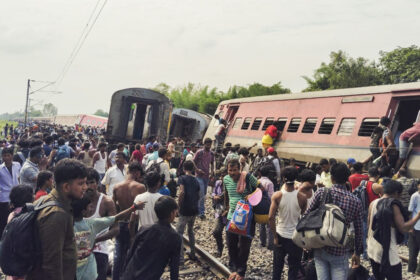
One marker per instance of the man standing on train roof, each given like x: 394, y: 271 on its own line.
x: 204, y: 161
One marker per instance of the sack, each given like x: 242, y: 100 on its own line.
x: 324, y: 226
x: 20, y: 248
x: 241, y: 221
x: 62, y: 153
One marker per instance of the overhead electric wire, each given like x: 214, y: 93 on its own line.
x: 85, y: 33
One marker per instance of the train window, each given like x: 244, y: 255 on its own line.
x: 246, y: 123
x: 327, y: 126
x: 346, y: 126
x: 237, y: 123
x: 309, y: 125
x: 282, y: 123
x: 294, y: 125
x: 267, y: 123
x: 367, y: 126
x: 256, y: 124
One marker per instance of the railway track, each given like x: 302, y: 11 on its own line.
x: 205, y: 264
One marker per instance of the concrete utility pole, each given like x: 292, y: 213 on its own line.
x: 27, y: 102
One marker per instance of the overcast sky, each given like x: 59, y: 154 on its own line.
x: 220, y: 43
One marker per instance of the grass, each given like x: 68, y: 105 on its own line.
x: 3, y: 124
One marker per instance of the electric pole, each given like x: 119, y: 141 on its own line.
x: 27, y: 102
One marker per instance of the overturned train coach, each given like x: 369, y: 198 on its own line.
x: 332, y: 123
x: 137, y: 113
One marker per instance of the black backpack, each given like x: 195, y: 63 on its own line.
x: 155, y: 167
x: 20, y: 248
x: 266, y: 162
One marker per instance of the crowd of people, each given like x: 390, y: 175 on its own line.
x: 113, y: 205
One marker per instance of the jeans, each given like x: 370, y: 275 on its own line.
x: 102, y: 265
x: 263, y: 236
x: 413, y: 251
x: 204, y: 182
x: 180, y: 228
x: 329, y: 267
x: 238, y: 247
x: 218, y: 233
x: 365, y: 230
x: 404, y: 149
x: 393, y: 272
x: 122, y: 245
x: 286, y: 248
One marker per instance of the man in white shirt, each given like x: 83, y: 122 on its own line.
x: 147, y: 216
x: 115, y: 174
x: 163, y: 165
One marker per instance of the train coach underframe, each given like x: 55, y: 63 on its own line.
x: 137, y: 114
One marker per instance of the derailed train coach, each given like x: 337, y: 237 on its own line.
x: 137, y: 114
x: 188, y: 124
x: 331, y: 123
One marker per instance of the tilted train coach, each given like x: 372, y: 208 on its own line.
x: 137, y: 113
x: 324, y: 124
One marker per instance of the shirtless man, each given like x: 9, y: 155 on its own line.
x: 124, y: 194
x: 101, y: 206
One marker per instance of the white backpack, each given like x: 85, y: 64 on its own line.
x: 324, y: 226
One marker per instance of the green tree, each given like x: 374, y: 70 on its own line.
x: 401, y: 65
x: 101, y: 113
x: 204, y: 99
x: 49, y: 110
x: 32, y: 112
x: 344, y: 72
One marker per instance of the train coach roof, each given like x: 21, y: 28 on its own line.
x: 141, y: 93
x: 191, y: 114
x: 330, y: 93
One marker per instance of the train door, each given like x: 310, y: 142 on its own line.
x: 139, y: 121
x: 231, y: 112
x: 407, y: 112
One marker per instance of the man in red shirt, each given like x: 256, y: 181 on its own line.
x: 137, y: 155
x: 357, y: 177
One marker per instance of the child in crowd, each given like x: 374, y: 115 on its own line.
x: 155, y: 245
x: 189, y: 195
x: 19, y: 196
x: 85, y: 231
x: 44, y: 183
x: 218, y: 206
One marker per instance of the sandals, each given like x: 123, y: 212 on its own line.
x: 235, y: 276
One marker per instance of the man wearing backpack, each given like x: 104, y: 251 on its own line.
x: 272, y: 164
x: 63, y: 151
x: 332, y: 262
x: 55, y: 224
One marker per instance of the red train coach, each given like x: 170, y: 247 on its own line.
x: 324, y: 124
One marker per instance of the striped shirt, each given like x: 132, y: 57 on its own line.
x: 234, y: 197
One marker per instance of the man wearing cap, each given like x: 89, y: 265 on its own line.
x: 350, y: 163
